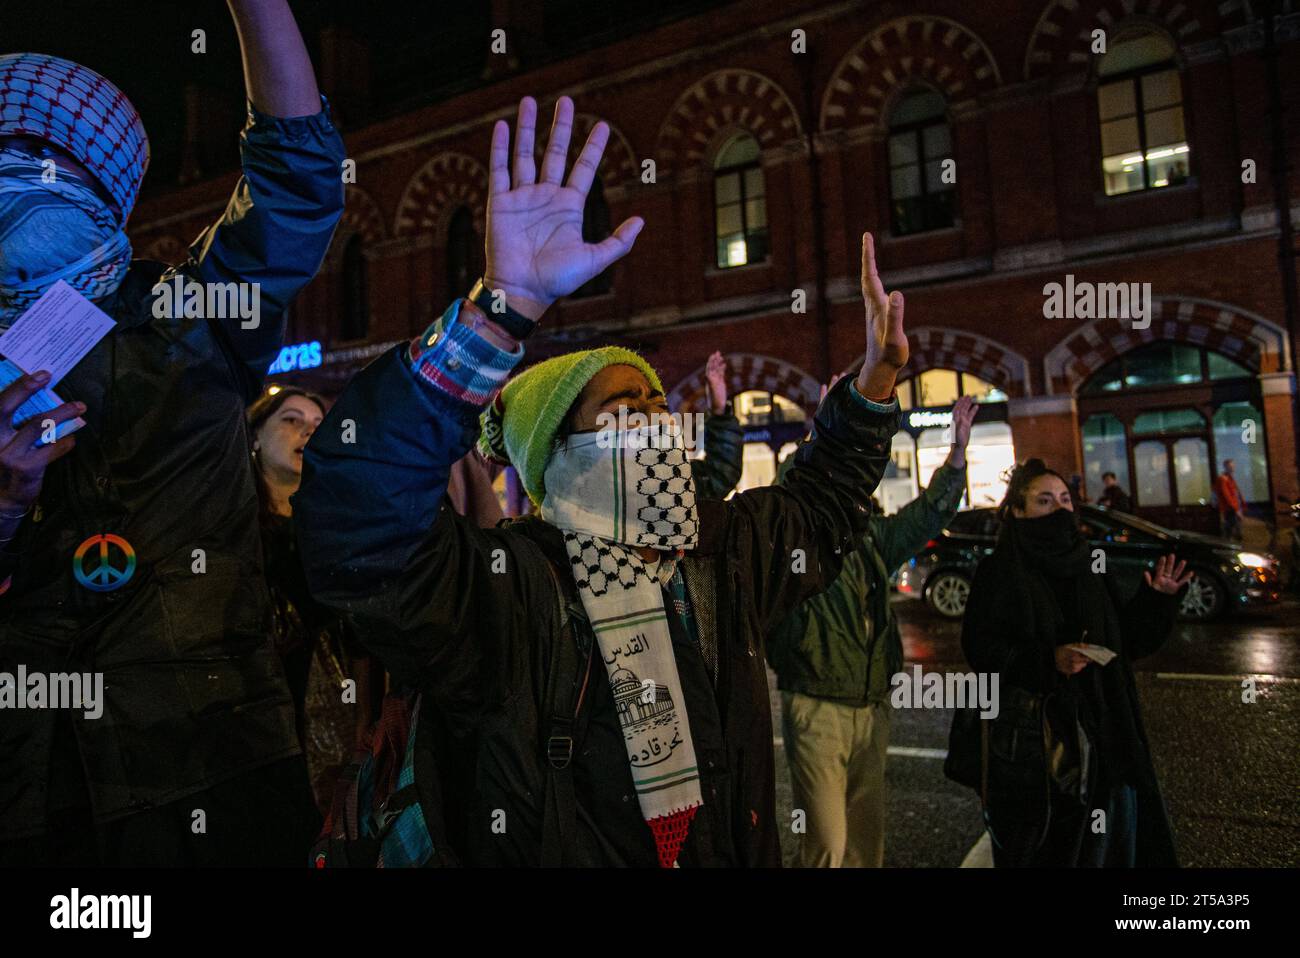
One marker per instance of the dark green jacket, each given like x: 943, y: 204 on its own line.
x: 724, y: 450
x: 826, y: 648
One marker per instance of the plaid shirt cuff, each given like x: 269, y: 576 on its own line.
x: 458, y: 362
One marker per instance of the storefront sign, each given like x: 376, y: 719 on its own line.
x: 924, y: 419
x: 298, y: 356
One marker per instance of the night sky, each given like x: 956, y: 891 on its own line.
x: 422, y: 51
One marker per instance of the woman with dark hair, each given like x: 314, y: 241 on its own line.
x: 1070, y: 778
x: 279, y: 425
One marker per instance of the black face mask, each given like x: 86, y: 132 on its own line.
x: 1053, y: 541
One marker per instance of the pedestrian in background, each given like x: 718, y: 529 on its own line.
x: 1227, y: 496
x: 834, y: 658
x: 1113, y: 495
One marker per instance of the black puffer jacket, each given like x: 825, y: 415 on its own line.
x: 419, y: 583
x: 194, y: 693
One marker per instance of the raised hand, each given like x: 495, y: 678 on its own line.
x: 1169, y: 578
x: 716, y: 373
x: 886, y: 342
x: 963, y: 415
x: 535, y: 250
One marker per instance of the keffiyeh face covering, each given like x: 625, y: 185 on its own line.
x: 54, y: 228
x: 610, y: 492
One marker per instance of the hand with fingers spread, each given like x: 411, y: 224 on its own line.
x: 22, y: 460
x: 886, y: 342
x: 535, y: 249
x: 1169, y: 577
x: 716, y: 373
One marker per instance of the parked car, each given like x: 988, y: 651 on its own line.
x: 1227, y: 576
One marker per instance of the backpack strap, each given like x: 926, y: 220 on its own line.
x: 563, y: 702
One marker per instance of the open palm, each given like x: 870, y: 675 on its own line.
x: 535, y: 249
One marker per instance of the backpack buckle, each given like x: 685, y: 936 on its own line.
x: 559, y: 750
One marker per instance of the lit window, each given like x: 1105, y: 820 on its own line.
x: 739, y: 204
x: 920, y: 139
x: 1140, y: 106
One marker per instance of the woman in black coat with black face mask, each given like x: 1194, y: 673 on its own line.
x: 1036, y: 601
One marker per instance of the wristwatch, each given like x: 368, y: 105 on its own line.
x: 497, y: 309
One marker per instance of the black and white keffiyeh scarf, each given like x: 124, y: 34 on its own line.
x: 610, y: 492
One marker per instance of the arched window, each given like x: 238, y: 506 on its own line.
x: 920, y: 139
x: 739, y: 203
x: 771, y: 423
x: 941, y: 387
x: 1140, y: 107
x: 596, y: 227
x: 356, y: 292
x: 464, y: 253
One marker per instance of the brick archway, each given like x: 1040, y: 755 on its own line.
x: 361, y: 216
x: 440, y: 187
x: 1062, y: 37
x: 938, y: 347
x: 939, y: 51
x: 1247, y: 338
x: 747, y: 371
x: 735, y: 99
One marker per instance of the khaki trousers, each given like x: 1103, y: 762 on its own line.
x: 837, y: 768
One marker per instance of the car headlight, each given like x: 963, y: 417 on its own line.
x: 1253, y: 560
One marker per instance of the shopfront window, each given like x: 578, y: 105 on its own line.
x: 779, y: 421
x: 1165, y: 416
x: 1105, y: 449
x: 1192, y: 471
x: 941, y: 387
x: 1140, y: 108
x: 1239, y: 436
x: 1151, y: 460
x: 989, y: 459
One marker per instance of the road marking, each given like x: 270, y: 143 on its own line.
x: 906, y: 751
x: 1235, y: 679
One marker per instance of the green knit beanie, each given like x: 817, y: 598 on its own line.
x: 519, y: 426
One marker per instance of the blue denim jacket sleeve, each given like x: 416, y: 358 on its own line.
x: 276, y: 228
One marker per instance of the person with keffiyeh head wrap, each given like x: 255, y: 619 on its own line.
x: 600, y: 664
x: 196, y: 711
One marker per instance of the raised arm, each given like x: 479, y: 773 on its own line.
x: 718, y: 472
x: 378, y: 537
x: 899, y: 537
x: 795, y: 535
x: 279, y: 222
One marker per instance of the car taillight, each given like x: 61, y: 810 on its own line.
x: 932, y: 544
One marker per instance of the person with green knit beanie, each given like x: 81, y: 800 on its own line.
x: 602, y: 660
x: 520, y: 426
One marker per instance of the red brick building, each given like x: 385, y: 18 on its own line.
x: 993, y: 149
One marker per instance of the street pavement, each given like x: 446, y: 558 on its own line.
x: 1230, y: 771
